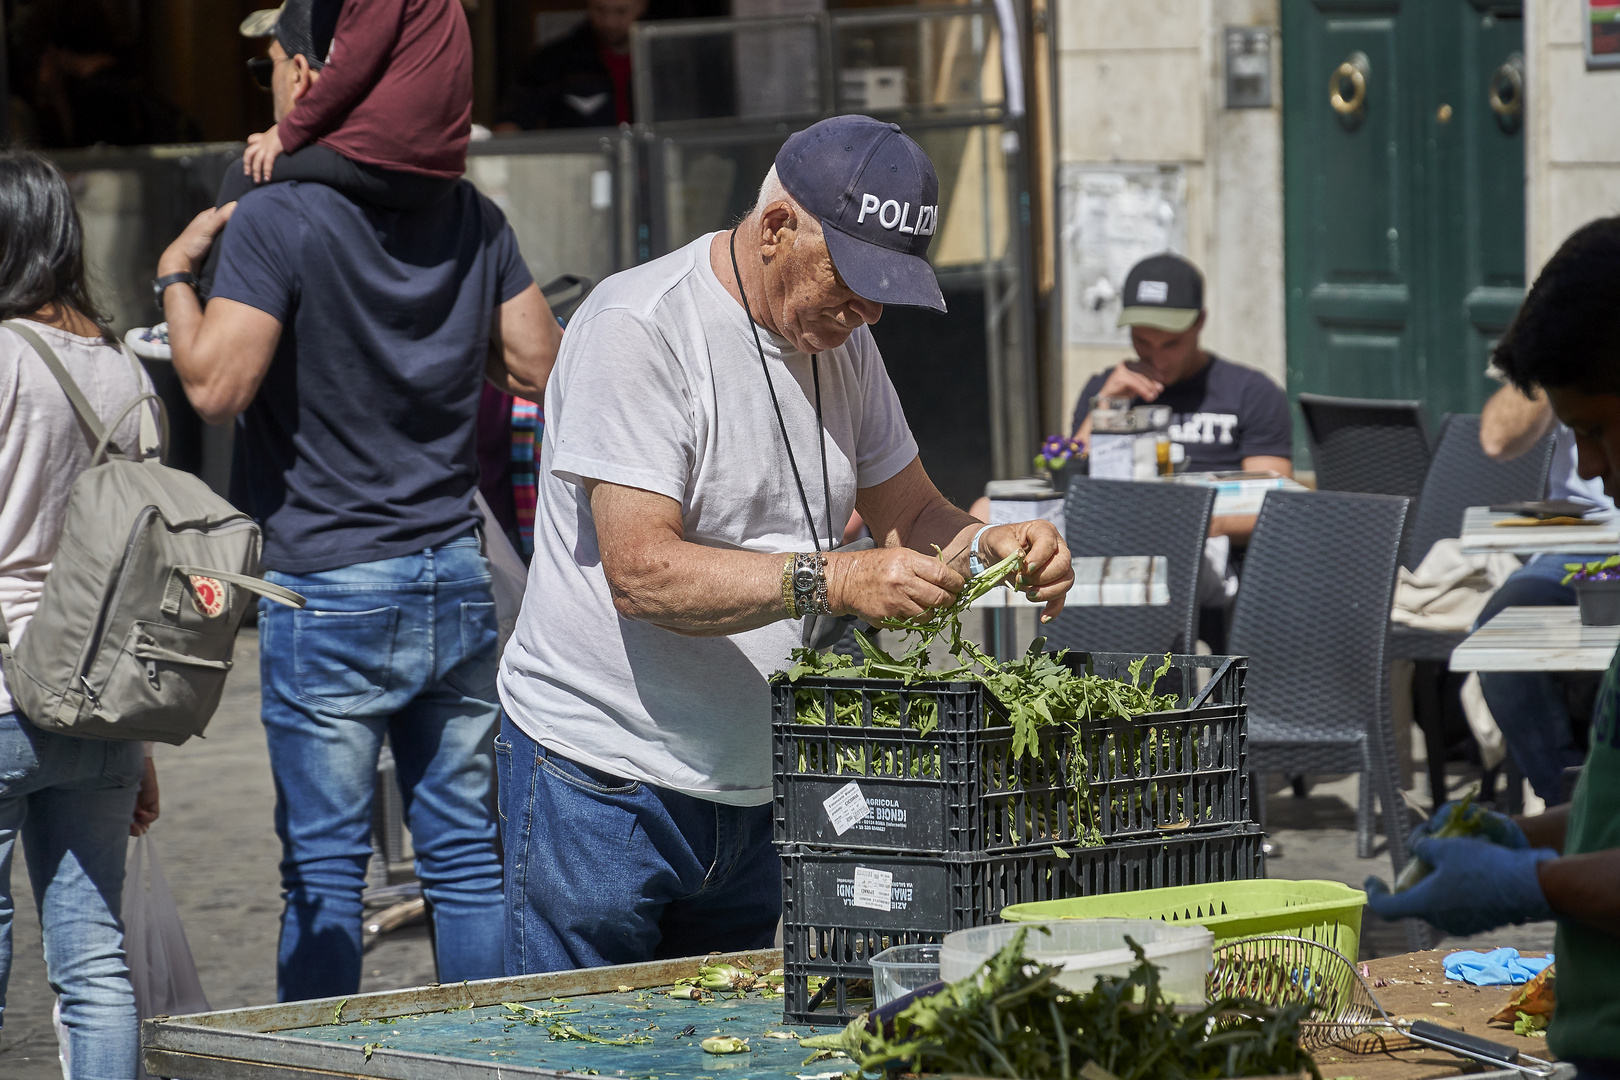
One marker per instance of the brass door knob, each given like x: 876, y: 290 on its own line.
x: 1507, y: 88
x: 1354, y: 72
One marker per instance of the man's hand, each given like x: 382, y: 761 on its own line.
x: 260, y: 157
x: 1048, y: 568
x: 1129, y: 380
x: 189, y: 249
x: 146, y: 801
x: 1475, y: 886
x: 888, y: 583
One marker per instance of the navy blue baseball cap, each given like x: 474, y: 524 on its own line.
x: 877, y: 198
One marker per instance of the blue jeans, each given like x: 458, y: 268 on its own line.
x: 1530, y: 707
x: 72, y: 801
x: 404, y: 648
x: 603, y: 870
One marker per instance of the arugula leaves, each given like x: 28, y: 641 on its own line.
x: 1011, y: 1019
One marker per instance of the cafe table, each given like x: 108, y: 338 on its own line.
x: 1537, y: 639
x: 1482, y: 536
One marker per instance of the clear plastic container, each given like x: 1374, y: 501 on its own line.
x: 900, y: 969
x: 1087, y: 948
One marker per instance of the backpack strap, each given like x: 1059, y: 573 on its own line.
x: 264, y: 588
x: 81, y: 404
x: 154, y: 443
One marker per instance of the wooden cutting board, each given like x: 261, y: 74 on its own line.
x: 1416, y: 988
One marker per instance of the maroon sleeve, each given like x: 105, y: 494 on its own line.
x: 367, y: 32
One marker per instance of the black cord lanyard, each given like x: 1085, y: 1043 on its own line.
x: 815, y: 376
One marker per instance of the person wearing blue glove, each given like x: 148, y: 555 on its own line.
x: 1563, y: 864
x: 1475, y: 885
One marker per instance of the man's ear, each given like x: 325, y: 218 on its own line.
x: 304, y: 76
x: 775, y: 220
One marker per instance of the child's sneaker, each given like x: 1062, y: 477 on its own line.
x: 149, y: 342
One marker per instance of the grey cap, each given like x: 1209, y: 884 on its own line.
x: 304, y: 28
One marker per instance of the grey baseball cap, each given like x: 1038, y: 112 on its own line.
x: 304, y: 28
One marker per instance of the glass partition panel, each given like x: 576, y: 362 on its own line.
x: 710, y: 69
x: 562, y: 201
x: 709, y: 181
x: 918, y: 61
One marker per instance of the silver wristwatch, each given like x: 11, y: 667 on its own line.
x: 810, y: 583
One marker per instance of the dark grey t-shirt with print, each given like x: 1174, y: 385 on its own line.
x: 1223, y: 414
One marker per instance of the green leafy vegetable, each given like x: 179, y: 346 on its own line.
x: 1011, y: 1019
x: 1464, y: 819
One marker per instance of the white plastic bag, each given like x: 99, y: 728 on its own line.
x: 160, y: 964
x: 510, y: 576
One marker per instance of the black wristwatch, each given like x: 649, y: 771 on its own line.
x: 184, y: 277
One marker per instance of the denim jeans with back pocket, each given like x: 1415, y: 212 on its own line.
x: 71, y: 800
x: 604, y: 870
x: 404, y: 648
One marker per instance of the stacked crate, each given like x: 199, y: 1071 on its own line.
x: 889, y: 836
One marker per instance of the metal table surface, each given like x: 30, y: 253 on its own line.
x: 1480, y: 536
x: 466, y: 1030
x: 1537, y: 639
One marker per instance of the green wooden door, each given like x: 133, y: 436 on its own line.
x: 1404, y: 195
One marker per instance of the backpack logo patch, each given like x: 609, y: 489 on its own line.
x: 207, y: 596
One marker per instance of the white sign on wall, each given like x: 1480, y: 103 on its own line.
x: 1114, y: 217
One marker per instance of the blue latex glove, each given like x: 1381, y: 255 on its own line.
x: 1497, y: 828
x: 1476, y: 886
x: 1499, y: 967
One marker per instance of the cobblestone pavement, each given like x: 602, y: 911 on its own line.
x: 219, y: 852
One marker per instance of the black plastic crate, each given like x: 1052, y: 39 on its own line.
x: 959, y: 790
x: 826, y: 935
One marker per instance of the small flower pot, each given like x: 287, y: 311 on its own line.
x: 1599, y: 602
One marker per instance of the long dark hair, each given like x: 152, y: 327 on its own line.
x: 41, y: 242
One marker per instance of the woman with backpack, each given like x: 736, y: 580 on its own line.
x: 73, y: 802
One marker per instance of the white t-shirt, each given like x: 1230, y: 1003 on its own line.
x: 658, y: 386
x: 1564, y: 482
x: 43, y: 449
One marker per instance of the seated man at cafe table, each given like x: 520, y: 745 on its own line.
x: 714, y: 417
x: 1534, y: 708
x: 1225, y: 416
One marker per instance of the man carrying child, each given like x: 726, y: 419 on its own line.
x: 353, y: 338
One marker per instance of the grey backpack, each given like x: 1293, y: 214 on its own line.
x: 134, y: 633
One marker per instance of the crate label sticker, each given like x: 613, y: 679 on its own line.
x: 846, y: 807
x: 873, y: 889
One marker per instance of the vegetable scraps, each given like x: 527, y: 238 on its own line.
x: 1011, y: 1019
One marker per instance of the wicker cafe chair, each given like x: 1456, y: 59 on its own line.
x: 1370, y: 446
x: 1312, y: 617
x: 1459, y: 477
x: 1123, y: 517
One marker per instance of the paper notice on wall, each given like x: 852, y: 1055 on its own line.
x: 1112, y: 219
x: 873, y: 889
x: 846, y: 807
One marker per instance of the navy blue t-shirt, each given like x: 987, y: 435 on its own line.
x: 1223, y: 414
x: 360, y: 443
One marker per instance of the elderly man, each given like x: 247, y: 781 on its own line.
x: 354, y: 340
x: 714, y: 417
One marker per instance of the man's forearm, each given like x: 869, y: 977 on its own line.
x: 1546, y: 830
x: 1584, y: 888
x: 700, y: 591
x: 1511, y: 423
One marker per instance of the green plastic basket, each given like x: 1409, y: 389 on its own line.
x: 1323, y: 911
